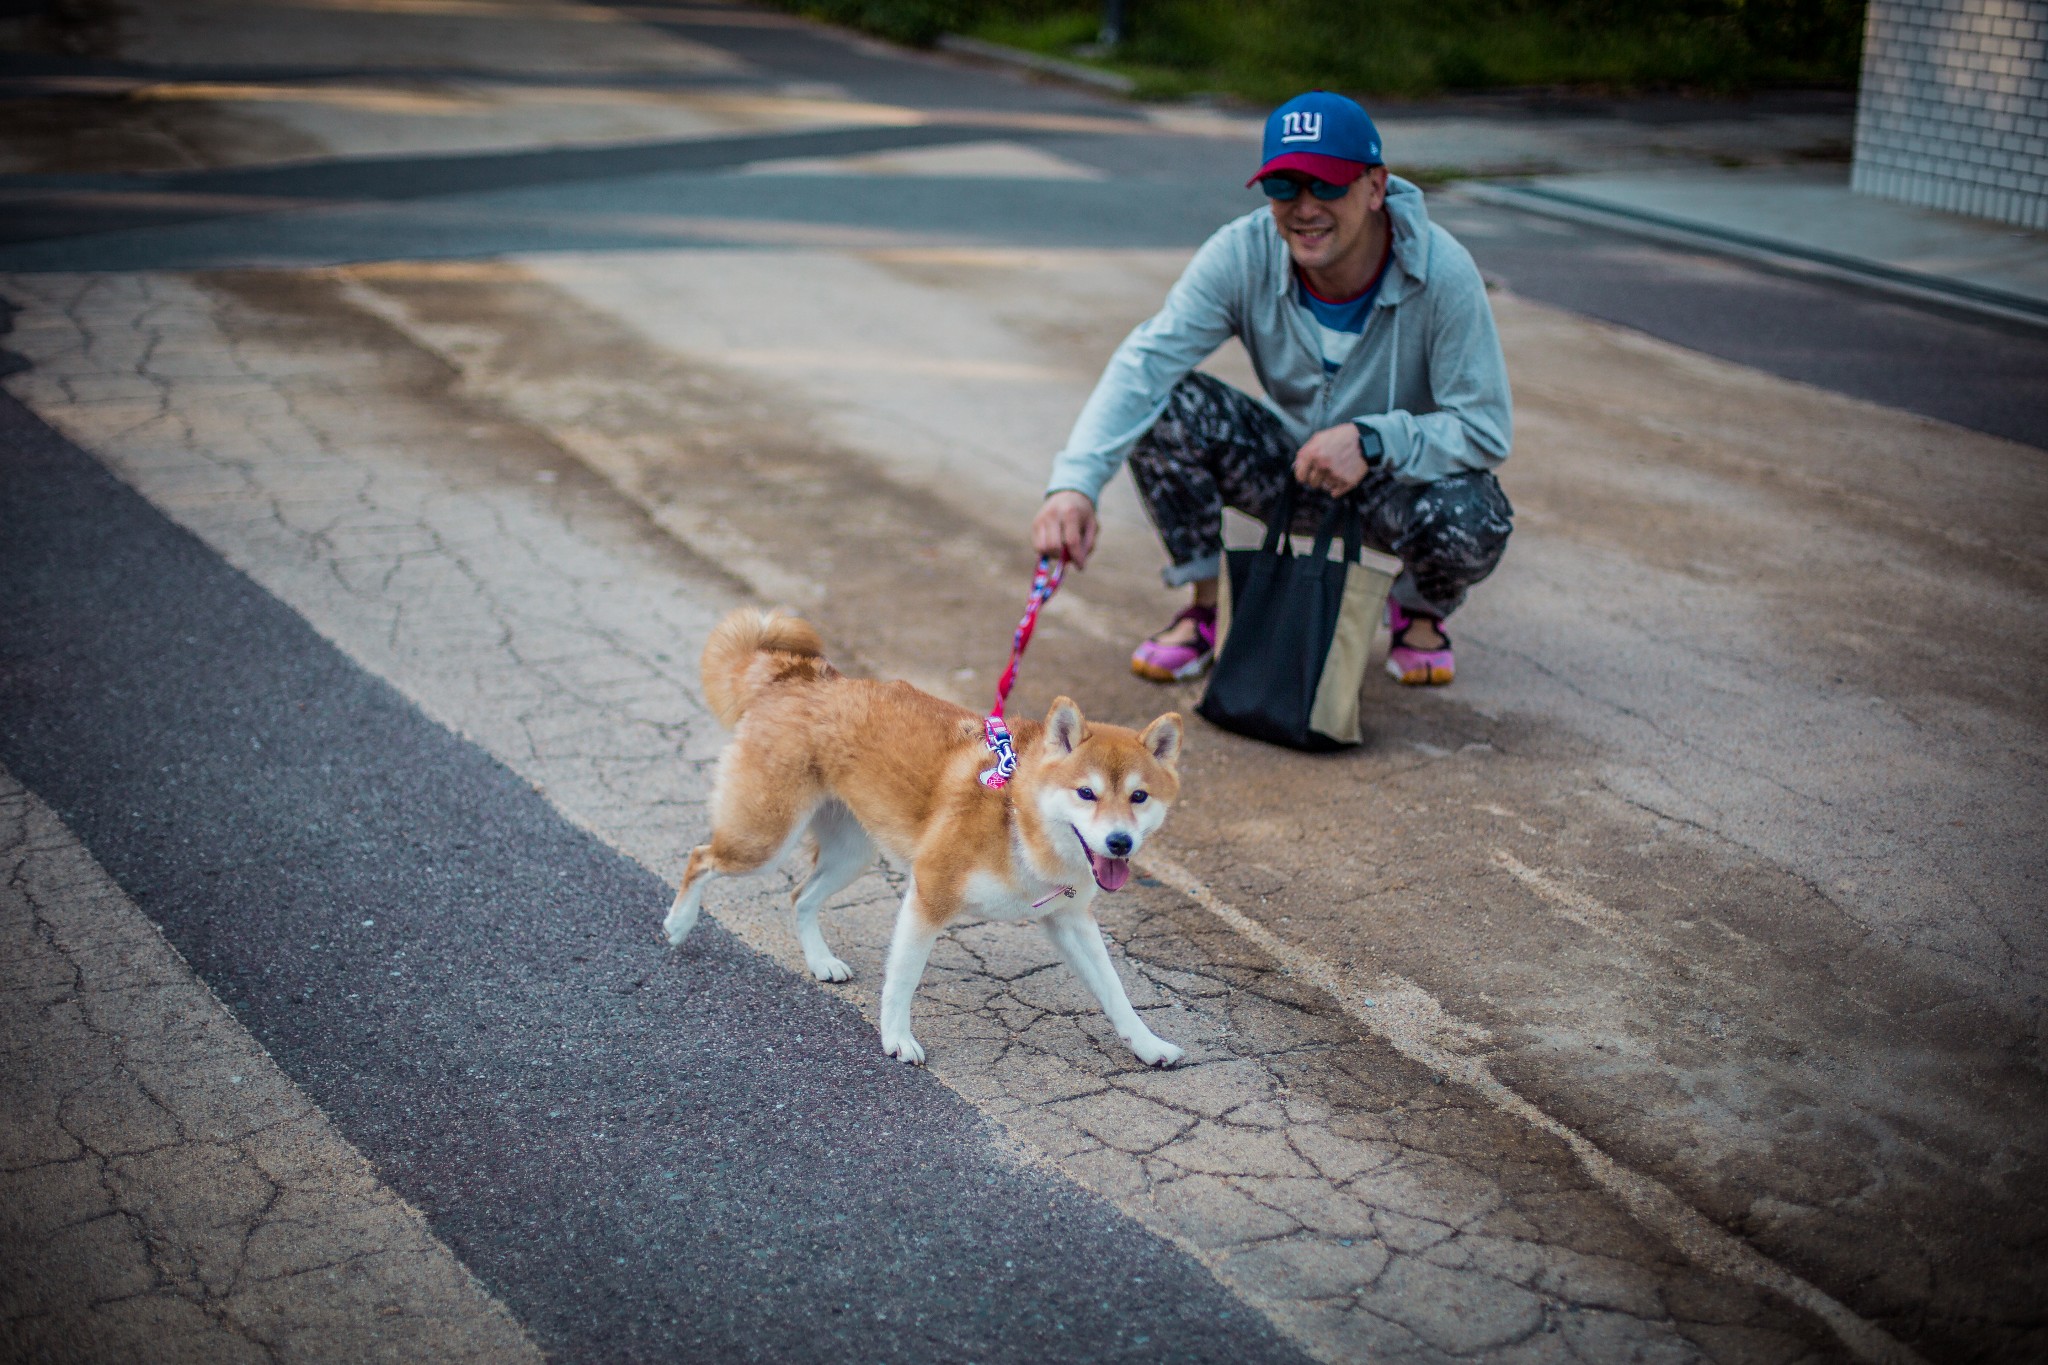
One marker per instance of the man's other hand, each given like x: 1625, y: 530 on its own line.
x: 1331, y: 461
x: 1066, y: 522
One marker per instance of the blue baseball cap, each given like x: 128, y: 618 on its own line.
x: 1323, y: 135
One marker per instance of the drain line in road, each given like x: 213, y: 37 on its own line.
x: 1410, y: 1020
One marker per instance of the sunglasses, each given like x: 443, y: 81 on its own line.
x: 1285, y: 188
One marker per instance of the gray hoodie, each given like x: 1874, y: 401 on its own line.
x: 1427, y: 374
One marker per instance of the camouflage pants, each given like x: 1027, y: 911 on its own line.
x: 1214, y: 446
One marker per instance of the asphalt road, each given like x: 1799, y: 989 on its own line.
x: 1162, y: 192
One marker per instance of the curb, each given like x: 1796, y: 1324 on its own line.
x: 1032, y: 61
x: 1912, y: 284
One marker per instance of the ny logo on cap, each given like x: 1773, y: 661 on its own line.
x: 1301, y: 126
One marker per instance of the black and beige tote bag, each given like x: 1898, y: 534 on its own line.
x: 1297, y: 634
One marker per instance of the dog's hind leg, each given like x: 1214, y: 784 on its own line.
x: 744, y: 838
x: 689, y: 901
x: 844, y: 852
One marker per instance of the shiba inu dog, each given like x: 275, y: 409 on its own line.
x: 856, y: 764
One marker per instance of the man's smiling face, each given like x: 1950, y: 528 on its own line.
x: 1324, y: 235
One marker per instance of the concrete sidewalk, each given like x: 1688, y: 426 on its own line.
x: 1806, y: 218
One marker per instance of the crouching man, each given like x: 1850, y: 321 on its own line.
x: 1369, y: 329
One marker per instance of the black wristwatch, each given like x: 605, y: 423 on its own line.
x: 1371, y: 446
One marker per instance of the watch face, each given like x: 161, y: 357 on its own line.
x: 1369, y: 443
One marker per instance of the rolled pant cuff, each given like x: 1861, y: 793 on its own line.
x: 1194, y: 571
x: 1414, y: 603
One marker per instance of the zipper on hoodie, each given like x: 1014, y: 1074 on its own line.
x: 1330, y: 377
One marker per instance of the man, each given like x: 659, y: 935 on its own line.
x: 1370, y: 331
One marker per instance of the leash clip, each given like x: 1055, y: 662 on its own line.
x: 997, y: 736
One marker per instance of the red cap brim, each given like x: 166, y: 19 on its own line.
x: 1334, y: 169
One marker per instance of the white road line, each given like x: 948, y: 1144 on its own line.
x: 1417, y: 1026
x: 1576, y: 906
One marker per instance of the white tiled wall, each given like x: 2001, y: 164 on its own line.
x: 1953, y: 111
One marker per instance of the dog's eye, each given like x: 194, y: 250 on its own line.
x: 1138, y: 796
x: 1085, y: 793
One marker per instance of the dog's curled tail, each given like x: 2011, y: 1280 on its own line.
x: 752, y: 648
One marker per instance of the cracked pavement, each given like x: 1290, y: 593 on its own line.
x: 1686, y: 1006
x: 168, y: 1193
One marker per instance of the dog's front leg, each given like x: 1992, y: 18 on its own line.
x: 910, y: 947
x: 1079, y: 939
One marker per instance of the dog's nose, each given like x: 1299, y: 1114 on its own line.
x: 1119, y: 845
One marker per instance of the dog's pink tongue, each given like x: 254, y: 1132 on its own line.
x: 1110, y: 873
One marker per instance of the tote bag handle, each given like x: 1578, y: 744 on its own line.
x: 1282, y: 520
x: 1342, y: 515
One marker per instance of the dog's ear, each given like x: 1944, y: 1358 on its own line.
x: 1063, y: 726
x: 1163, y: 738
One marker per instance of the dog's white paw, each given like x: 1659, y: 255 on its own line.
x: 1156, y: 1051
x: 680, y: 919
x: 905, y: 1047
x: 831, y: 969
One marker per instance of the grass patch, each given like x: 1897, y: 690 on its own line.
x: 1266, y: 50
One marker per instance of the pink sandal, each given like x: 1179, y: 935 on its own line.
x: 1178, y: 663
x: 1414, y: 667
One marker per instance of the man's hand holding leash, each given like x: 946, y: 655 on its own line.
x: 1066, y: 526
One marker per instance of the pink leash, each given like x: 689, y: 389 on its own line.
x: 1044, y: 583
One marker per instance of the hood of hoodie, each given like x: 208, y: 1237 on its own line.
x: 1409, y: 219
